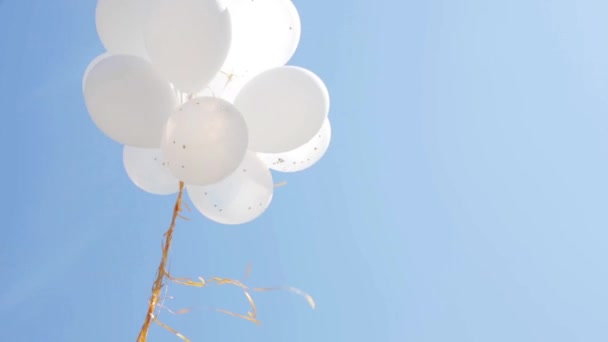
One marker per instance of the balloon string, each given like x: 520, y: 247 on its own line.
x: 281, y: 184
x: 162, y: 271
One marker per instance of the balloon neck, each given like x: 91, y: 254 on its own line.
x: 181, y: 96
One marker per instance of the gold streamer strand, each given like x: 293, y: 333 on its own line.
x: 161, y: 271
x: 155, y: 304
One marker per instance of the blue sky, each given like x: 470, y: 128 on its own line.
x: 463, y: 198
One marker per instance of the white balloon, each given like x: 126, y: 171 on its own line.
x: 284, y: 108
x: 187, y: 41
x: 120, y: 26
x: 204, y: 140
x: 149, y: 171
x: 128, y: 100
x: 265, y: 34
x: 240, y: 198
x: 92, y: 64
x: 302, y: 157
x: 223, y: 4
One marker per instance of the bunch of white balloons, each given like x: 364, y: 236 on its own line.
x: 198, y: 91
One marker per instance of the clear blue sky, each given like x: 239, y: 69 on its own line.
x: 464, y: 197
